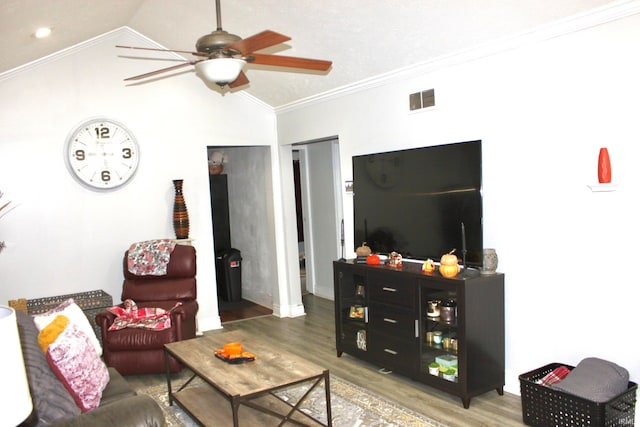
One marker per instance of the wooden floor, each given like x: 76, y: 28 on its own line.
x: 313, y: 336
x: 231, y: 312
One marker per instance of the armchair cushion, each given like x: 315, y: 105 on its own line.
x: 179, y: 284
x: 130, y: 316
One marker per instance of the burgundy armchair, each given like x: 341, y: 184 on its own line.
x: 135, y: 351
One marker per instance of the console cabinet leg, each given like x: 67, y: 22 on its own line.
x: 466, y: 401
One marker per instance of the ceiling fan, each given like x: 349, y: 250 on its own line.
x: 222, y: 55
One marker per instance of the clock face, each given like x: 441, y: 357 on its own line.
x: 384, y: 169
x: 102, y: 154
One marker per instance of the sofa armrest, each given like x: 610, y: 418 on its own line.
x: 135, y: 411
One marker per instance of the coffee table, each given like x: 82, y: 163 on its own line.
x: 247, y: 389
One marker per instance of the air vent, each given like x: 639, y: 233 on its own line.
x: 424, y: 99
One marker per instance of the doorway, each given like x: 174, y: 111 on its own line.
x: 320, y: 204
x: 235, y: 225
x: 299, y: 221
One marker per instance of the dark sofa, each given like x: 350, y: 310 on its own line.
x: 54, y: 406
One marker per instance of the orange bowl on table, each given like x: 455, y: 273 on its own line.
x: 233, y: 349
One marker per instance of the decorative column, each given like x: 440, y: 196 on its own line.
x: 180, y: 213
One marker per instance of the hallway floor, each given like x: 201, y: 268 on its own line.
x: 241, y: 310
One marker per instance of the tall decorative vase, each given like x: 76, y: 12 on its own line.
x: 180, y: 213
x: 604, y: 166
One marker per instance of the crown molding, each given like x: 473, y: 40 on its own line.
x: 141, y: 40
x: 64, y: 52
x: 592, y: 18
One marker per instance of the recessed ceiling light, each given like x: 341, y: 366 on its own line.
x: 43, y: 32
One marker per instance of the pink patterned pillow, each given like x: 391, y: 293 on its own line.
x: 75, y: 314
x: 78, y: 366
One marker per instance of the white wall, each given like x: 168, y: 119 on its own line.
x: 542, y: 110
x: 62, y: 238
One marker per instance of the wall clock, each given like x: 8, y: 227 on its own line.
x: 384, y: 169
x: 102, y: 154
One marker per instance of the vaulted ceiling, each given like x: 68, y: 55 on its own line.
x: 363, y: 38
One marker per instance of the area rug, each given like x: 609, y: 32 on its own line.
x: 351, y: 406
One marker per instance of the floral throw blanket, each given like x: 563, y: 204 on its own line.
x: 130, y: 316
x: 150, y: 258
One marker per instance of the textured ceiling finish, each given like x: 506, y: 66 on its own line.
x: 363, y: 38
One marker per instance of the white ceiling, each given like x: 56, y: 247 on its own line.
x: 363, y: 38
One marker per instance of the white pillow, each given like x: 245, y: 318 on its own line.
x: 76, y: 316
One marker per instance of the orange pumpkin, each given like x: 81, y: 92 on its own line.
x: 449, y: 265
x: 373, y: 260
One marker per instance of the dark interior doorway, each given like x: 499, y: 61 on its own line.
x: 299, y: 220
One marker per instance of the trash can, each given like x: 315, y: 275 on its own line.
x: 229, y: 275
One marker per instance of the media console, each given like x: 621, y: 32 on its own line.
x: 446, y: 333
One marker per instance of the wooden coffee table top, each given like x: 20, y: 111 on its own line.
x: 272, y: 368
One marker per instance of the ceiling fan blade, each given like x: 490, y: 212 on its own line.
x: 163, y: 50
x: 162, y: 70
x: 290, y: 61
x: 240, y: 81
x: 258, y: 41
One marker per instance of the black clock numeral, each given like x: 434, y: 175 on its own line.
x: 79, y: 155
x: 126, y: 153
x: 106, y: 176
x: 102, y: 132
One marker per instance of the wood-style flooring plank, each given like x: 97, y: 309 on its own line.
x: 313, y: 336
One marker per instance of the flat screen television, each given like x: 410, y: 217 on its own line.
x: 420, y: 202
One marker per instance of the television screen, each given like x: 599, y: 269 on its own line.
x: 420, y: 202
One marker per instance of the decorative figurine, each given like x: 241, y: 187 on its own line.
x: 428, y: 266
x: 395, y: 260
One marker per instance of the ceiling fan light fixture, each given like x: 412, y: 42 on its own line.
x: 220, y: 71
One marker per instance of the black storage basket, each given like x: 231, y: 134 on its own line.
x: 544, y: 406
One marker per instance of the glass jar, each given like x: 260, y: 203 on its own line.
x: 433, y: 308
x: 448, y: 310
x: 437, y: 337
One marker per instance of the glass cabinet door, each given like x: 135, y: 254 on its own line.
x: 354, y: 310
x: 439, y: 341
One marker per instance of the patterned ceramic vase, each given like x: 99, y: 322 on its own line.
x: 180, y: 213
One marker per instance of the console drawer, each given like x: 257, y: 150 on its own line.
x: 391, y: 289
x: 392, y: 320
x: 397, y: 355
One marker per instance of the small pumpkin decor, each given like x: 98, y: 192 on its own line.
x: 428, y: 266
x: 373, y: 259
x: 449, y: 265
x: 363, y: 250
